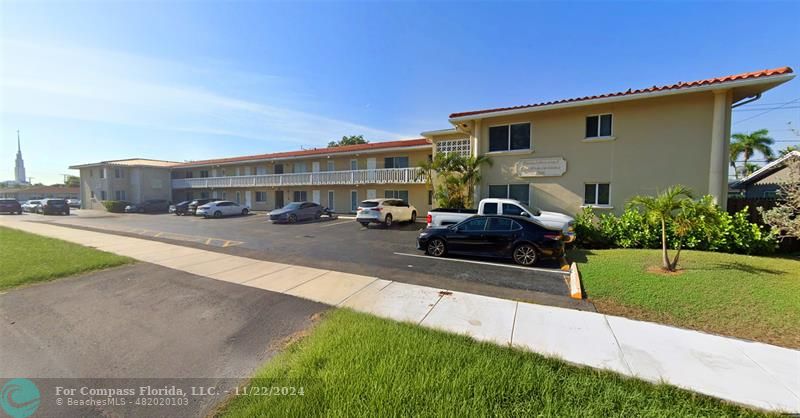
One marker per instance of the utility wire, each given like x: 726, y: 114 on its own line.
x: 767, y: 111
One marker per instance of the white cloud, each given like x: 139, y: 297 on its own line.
x: 121, y: 88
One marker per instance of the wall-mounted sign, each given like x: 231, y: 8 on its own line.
x: 541, y: 167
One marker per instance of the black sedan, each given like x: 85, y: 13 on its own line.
x: 299, y: 211
x: 54, y: 206
x: 513, y: 237
x: 180, y: 208
x: 191, y: 208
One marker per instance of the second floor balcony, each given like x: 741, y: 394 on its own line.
x: 410, y: 175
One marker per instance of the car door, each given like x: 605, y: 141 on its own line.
x: 468, y: 236
x: 233, y: 208
x: 306, y: 211
x: 500, y: 235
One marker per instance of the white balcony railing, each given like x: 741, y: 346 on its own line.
x: 410, y: 175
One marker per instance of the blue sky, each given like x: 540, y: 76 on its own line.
x: 89, y: 81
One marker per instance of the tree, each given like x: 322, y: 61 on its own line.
x: 348, y: 140
x: 456, y: 177
x: 747, y: 144
x: 788, y: 149
x: 470, y: 168
x: 674, y: 207
x: 72, y: 181
x: 784, y: 218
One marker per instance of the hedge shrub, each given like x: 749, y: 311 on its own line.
x: 724, y: 233
x: 116, y: 206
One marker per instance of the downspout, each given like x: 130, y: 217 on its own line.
x: 747, y: 100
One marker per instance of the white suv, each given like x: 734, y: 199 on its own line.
x: 385, y: 211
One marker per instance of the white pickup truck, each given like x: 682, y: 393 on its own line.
x: 552, y: 220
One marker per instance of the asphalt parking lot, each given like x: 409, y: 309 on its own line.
x: 341, y: 245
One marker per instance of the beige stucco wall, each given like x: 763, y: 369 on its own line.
x: 138, y: 183
x: 417, y: 195
x: 658, y: 142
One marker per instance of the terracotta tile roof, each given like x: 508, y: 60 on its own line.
x: 676, y: 86
x: 310, y: 152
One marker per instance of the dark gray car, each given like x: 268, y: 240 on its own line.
x: 149, y: 206
x: 298, y: 211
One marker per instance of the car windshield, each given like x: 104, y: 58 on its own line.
x: 185, y: 202
x: 369, y: 204
x: 533, y: 210
x: 293, y: 205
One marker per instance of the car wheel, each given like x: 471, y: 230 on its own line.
x: 245, y: 212
x: 526, y: 255
x: 388, y: 220
x: 413, y: 216
x: 292, y: 218
x: 436, y: 247
x: 217, y: 214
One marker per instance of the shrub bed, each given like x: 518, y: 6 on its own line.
x: 730, y: 233
x: 116, y: 206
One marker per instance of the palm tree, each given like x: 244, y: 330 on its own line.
x: 748, y: 144
x: 735, y: 150
x: 663, y: 209
x: 470, y: 169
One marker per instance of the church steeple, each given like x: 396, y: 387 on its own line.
x: 19, y: 164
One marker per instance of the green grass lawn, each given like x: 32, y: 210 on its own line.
x: 354, y: 364
x: 29, y: 258
x: 755, y: 298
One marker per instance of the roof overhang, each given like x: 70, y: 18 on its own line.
x: 741, y: 89
x: 440, y: 132
x: 322, y: 155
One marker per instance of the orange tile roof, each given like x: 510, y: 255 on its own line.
x: 676, y: 86
x: 310, y: 152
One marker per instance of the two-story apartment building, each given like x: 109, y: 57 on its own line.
x: 337, y: 177
x: 562, y: 155
x: 599, y: 151
x: 131, y: 180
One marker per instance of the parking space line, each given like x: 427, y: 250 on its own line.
x: 337, y: 223
x: 544, y: 270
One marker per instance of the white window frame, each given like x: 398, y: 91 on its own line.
x: 599, y: 138
x: 508, y: 191
x: 508, y: 140
x: 331, y: 202
x: 354, y: 160
x: 596, y: 195
x: 264, y: 200
x: 330, y: 165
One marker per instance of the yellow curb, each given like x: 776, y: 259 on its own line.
x: 575, y: 290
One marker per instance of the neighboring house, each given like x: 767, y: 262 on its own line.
x: 41, y: 192
x: 562, y: 155
x: 337, y: 177
x: 766, y: 182
x: 132, y: 180
x: 599, y: 151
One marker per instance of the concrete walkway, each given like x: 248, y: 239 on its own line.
x: 749, y: 373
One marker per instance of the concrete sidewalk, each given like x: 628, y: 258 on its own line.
x: 749, y: 373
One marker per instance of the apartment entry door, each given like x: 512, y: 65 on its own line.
x: 353, y: 200
x: 278, y: 199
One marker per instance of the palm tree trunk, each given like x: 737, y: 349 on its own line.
x: 677, y: 256
x: 664, y: 257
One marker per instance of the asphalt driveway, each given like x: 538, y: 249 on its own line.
x: 143, y: 321
x: 342, y: 245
